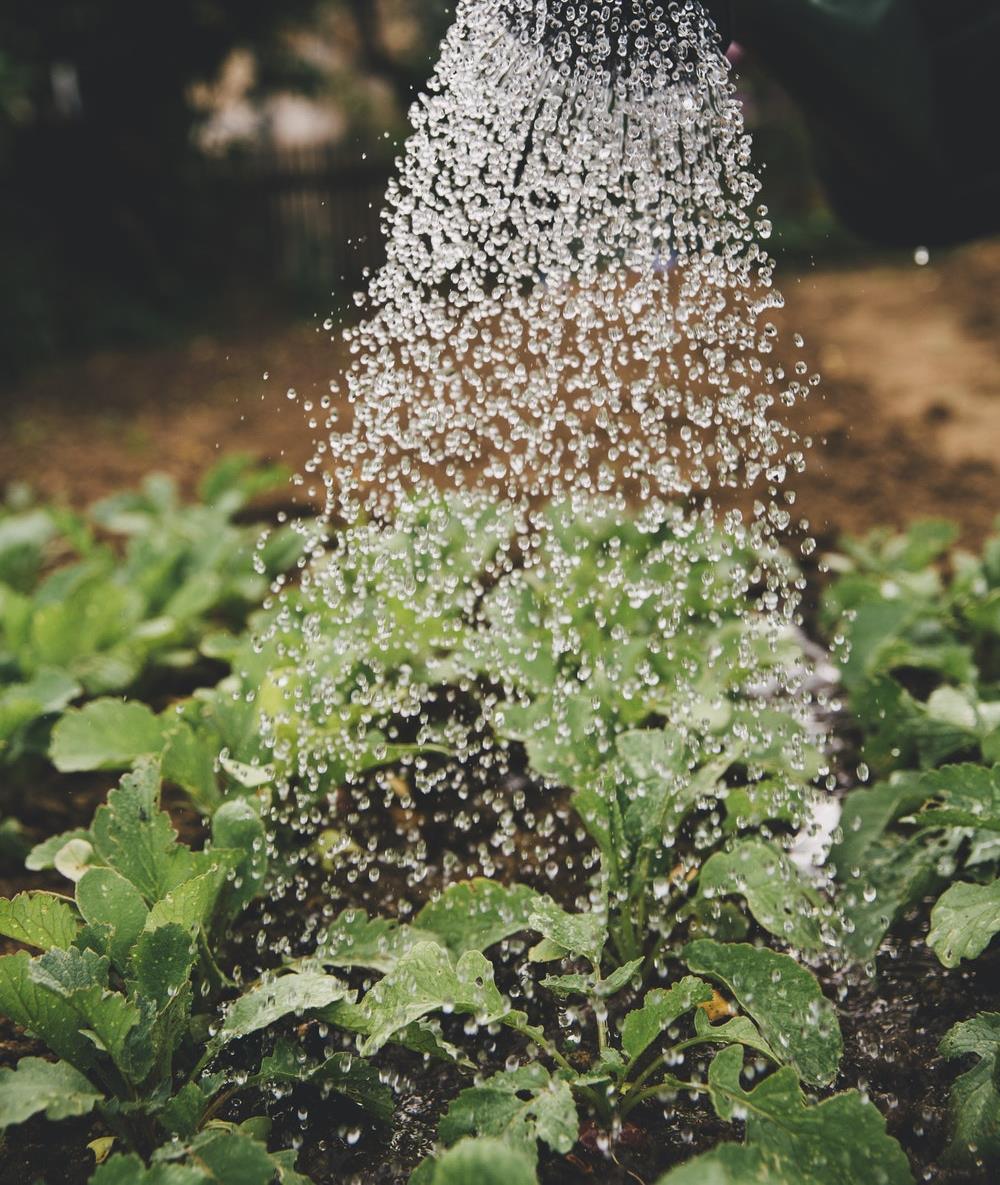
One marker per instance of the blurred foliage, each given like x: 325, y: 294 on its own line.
x: 116, y: 229
x: 104, y: 229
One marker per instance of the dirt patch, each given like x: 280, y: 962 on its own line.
x: 906, y: 423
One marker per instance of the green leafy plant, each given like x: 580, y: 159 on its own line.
x: 921, y: 669
x: 99, y: 624
x: 581, y: 644
x: 125, y: 988
x: 434, y: 967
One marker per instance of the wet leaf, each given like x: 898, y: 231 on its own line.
x: 40, y: 920
x: 962, y: 796
x: 276, y: 998
x: 974, y: 1107
x: 132, y: 835
x: 105, y: 897
x: 42, y: 1012
x: 355, y: 940
x: 425, y: 980
x: 776, y: 894
x: 80, y: 980
x: 473, y: 915
x: 964, y: 921
x: 519, y: 1107
x: 162, y: 961
x: 37, y: 1086
x: 592, y: 985
x: 840, y: 1139
x: 576, y: 933
x: 105, y: 734
x: 191, y: 903
x: 785, y: 1000
x: 236, y: 826
x: 484, y: 1161
x: 660, y: 1008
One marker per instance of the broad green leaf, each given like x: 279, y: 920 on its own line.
x: 841, y: 1139
x: 426, y: 980
x: 578, y: 933
x: 342, y: 1074
x: 105, y: 734
x: 775, y: 892
x: 162, y: 961
x: 473, y: 915
x: 129, y: 1170
x: 962, y: 796
x: 40, y: 920
x: 47, y: 692
x: 238, y: 827
x: 106, y: 897
x: 660, y: 1008
x: 484, y: 1161
x: 355, y: 940
x: 666, y: 786
x: 181, y: 1115
x: 189, y: 757
x: 964, y: 921
x: 785, y: 1000
x: 191, y: 903
x: 36, y: 1086
x: 276, y: 998
x: 80, y: 980
x: 133, y: 836
x: 42, y: 1012
x: 975, y: 1097
x: 519, y: 1107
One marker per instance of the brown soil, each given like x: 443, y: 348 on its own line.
x: 906, y: 423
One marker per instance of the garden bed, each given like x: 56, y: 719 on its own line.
x: 926, y: 649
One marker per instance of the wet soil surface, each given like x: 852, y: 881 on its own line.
x: 905, y: 423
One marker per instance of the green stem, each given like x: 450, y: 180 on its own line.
x: 650, y: 1092
x: 217, y: 1104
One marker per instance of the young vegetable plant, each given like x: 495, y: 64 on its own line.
x: 921, y: 666
x: 626, y: 1048
x: 332, y: 681
x: 96, y: 626
x: 124, y: 991
x: 920, y: 646
x: 625, y: 656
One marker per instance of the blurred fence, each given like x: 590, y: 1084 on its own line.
x: 309, y: 217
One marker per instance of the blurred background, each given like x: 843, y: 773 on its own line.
x: 189, y: 191
x: 166, y: 165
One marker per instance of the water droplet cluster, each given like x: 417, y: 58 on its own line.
x: 556, y: 461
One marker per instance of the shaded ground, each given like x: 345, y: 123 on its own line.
x: 907, y: 421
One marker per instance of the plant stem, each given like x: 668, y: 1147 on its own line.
x: 650, y: 1092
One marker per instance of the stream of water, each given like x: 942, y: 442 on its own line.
x: 573, y: 325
